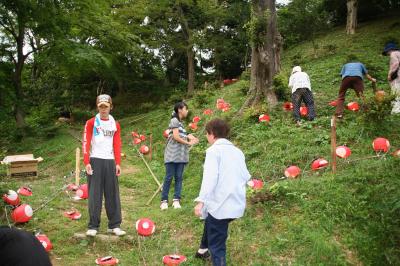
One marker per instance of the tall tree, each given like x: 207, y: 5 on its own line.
x: 352, y: 9
x: 266, y: 43
x: 21, y: 25
x: 171, y: 28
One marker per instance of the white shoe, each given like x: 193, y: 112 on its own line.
x: 164, y: 205
x: 176, y: 204
x: 91, y: 232
x: 116, y: 231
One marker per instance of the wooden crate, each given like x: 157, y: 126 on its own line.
x: 21, y: 165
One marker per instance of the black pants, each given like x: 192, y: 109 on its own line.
x: 305, y: 95
x: 214, y: 238
x: 104, y: 181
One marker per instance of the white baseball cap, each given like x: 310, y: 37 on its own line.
x: 296, y: 69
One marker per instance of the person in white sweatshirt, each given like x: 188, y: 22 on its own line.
x: 222, y: 195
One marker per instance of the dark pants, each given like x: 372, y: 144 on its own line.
x: 355, y: 83
x: 173, y: 170
x: 305, y: 95
x: 104, y: 181
x: 21, y: 248
x: 214, y: 238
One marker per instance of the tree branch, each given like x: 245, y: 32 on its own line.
x: 9, y: 30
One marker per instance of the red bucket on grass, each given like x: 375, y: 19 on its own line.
x: 303, y: 111
x: 45, y: 241
x: 196, y: 119
x: 292, y: 171
x: 109, y: 260
x: 145, y: 227
x: 174, y: 259
x: 287, y: 106
x: 381, y: 144
x: 82, y: 192
x: 343, y: 151
x: 319, y: 164
x: 353, y: 106
x: 11, y: 198
x: 25, y: 191
x: 255, y: 184
x: 73, y: 214
x: 264, y: 118
x: 22, y: 213
x: 144, y: 149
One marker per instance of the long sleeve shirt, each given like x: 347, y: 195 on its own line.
x: 223, y: 188
x: 108, y: 147
x: 299, y: 80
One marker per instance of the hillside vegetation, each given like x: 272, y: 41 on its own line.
x: 351, y: 218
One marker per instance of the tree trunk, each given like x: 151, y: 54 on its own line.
x: 352, y: 6
x: 190, y: 58
x: 17, y: 78
x: 265, y: 60
x: 189, y: 50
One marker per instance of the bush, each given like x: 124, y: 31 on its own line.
x: 281, y: 88
x: 201, y: 98
x: 252, y: 113
x: 81, y: 116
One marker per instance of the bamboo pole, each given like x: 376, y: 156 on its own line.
x: 148, y: 167
x: 77, y: 166
x: 154, y: 195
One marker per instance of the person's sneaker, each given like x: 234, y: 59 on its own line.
x: 91, y: 232
x: 176, y: 204
x: 116, y: 231
x: 203, y: 256
x: 164, y: 205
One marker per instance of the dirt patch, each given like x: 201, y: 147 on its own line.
x: 351, y: 256
x: 129, y: 169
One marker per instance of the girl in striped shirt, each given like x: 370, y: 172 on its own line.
x: 176, y: 155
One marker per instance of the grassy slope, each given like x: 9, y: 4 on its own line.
x: 319, y: 219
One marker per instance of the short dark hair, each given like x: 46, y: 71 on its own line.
x: 218, y: 127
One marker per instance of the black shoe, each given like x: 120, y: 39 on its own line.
x: 203, y: 256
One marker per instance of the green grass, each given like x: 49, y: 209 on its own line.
x: 351, y: 218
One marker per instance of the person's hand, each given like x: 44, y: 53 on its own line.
x: 190, y: 137
x: 89, y: 169
x: 198, y: 208
x: 118, y: 170
x: 389, y: 78
x: 194, y: 141
x: 373, y: 80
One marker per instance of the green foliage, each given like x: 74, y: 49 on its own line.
x: 281, y: 87
x: 201, y: 98
x: 302, y: 20
x: 257, y: 26
x: 378, y: 111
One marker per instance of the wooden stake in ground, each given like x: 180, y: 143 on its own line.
x: 77, y: 166
x: 333, y: 143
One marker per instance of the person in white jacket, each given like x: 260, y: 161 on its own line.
x: 222, y: 195
x: 300, y: 84
x: 393, y: 52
